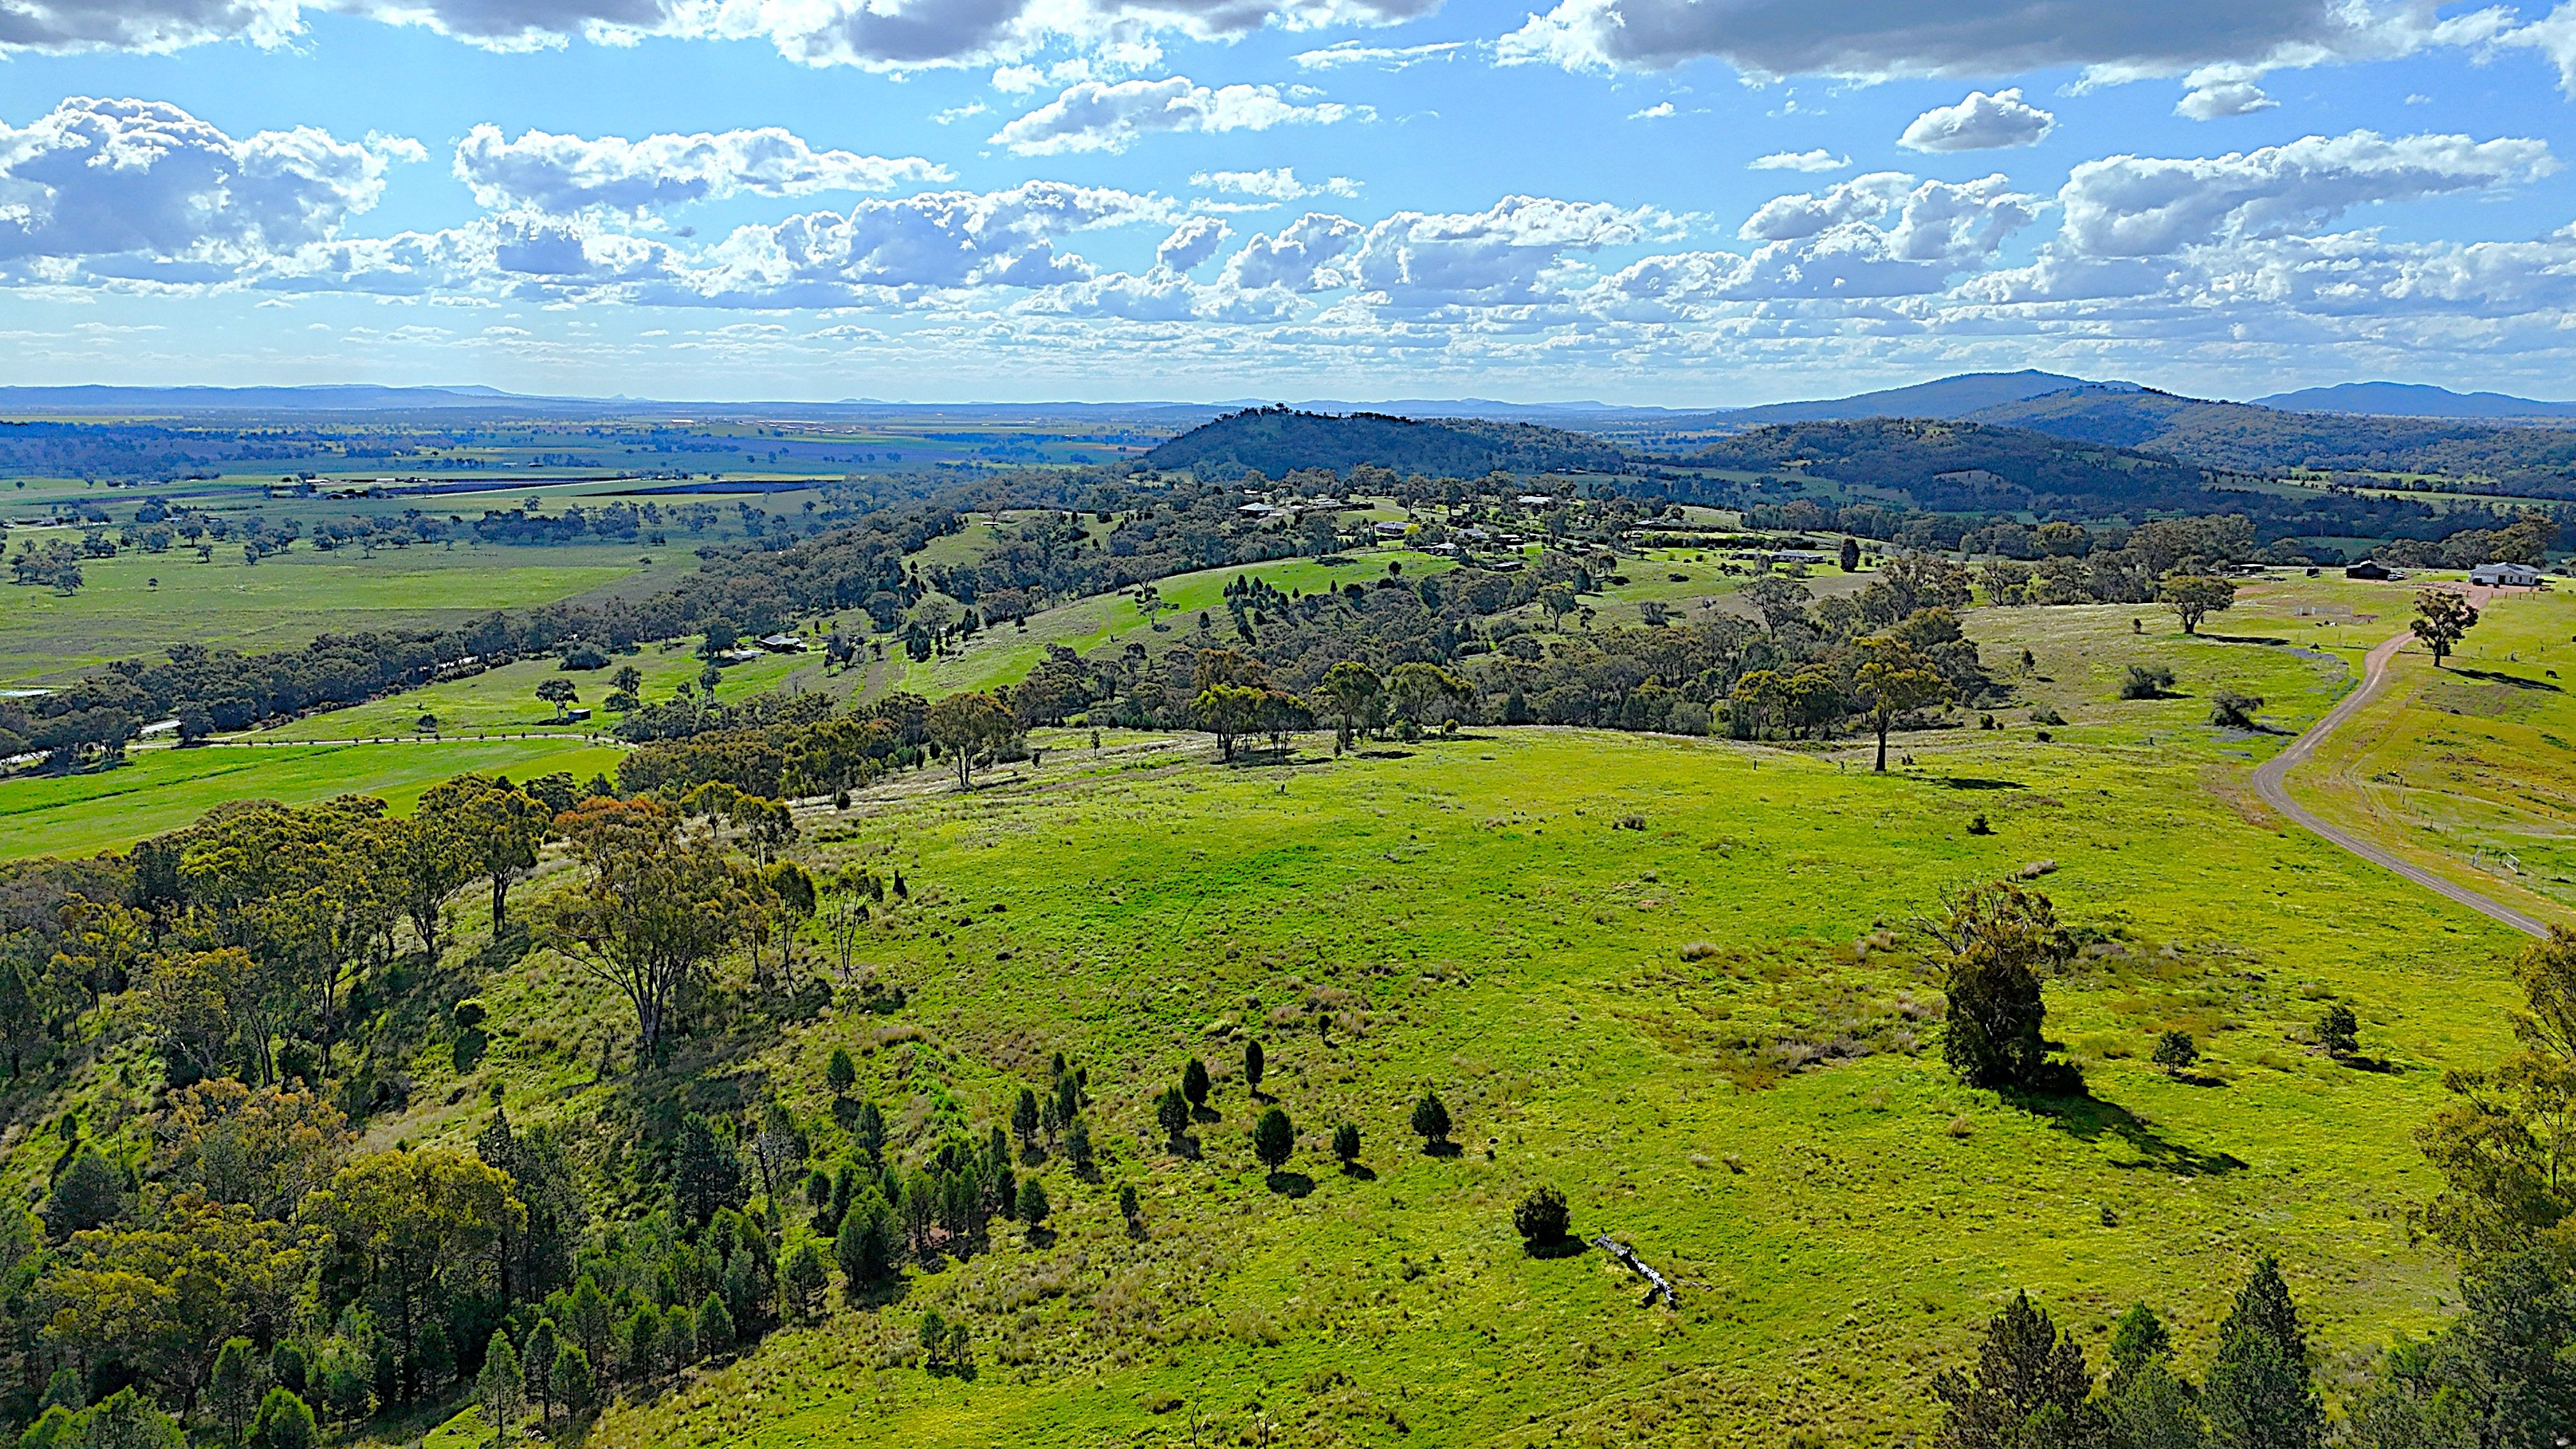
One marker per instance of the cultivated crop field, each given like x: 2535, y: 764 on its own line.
x: 1673, y: 978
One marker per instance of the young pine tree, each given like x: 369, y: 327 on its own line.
x: 284, y: 1422
x: 2259, y: 1395
x: 1024, y: 1119
x: 1194, y: 1083
x: 1253, y: 1066
x: 1172, y: 1114
x: 1431, y: 1122
x: 714, y: 1326
x: 538, y: 1365
x: 1274, y: 1138
x: 803, y: 1281
x: 572, y: 1378
x: 502, y: 1389
x: 234, y: 1389
x: 2148, y: 1405
x: 2030, y: 1387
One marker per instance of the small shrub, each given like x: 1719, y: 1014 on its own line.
x: 2176, y: 1052
x: 1431, y: 1121
x: 2339, y: 1031
x: 1699, y: 950
x: 1541, y: 1219
x: 1978, y: 826
x: 1346, y: 1144
x: 2147, y: 681
x: 1274, y: 1137
x: 2234, y: 711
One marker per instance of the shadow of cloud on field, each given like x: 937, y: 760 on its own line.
x: 2088, y: 1118
x: 1972, y: 782
x: 2264, y: 639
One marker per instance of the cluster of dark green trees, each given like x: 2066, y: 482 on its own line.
x: 2033, y: 1388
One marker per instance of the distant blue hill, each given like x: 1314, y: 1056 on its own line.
x: 1947, y: 397
x: 2413, y: 400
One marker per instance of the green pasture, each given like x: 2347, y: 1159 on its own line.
x: 162, y: 789
x: 285, y: 600
x: 1760, y: 1115
x: 505, y: 700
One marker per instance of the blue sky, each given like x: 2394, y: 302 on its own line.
x: 1677, y: 202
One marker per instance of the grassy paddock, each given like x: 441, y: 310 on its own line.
x: 285, y: 600
x: 163, y: 789
x: 505, y: 698
x: 1758, y: 1114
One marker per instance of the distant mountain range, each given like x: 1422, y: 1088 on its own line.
x: 2413, y: 400
x: 1948, y: 397
x: 2121, y: 413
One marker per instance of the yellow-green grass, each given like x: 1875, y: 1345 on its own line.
x: 1486, y: 928
x: 281, y: 602
x: 163, y: 789
x: 2470, y: 770
x: 505, y: 699
x: 1004, y: 656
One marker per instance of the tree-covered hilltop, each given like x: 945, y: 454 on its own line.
x: 1967, y: 470
x: 1278, y: 441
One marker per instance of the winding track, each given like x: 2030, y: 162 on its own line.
x: 2269, y: 777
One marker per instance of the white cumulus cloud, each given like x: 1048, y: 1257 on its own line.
x: 1192, y: 242
x: 1981, y: 122
x: 2136, y: 206
x: 2213, y: 100
x: 1273, y: 184
x: 1112, y: 116
x: 145, y: 188
x: 551, y: 173
x: 1818, y: 159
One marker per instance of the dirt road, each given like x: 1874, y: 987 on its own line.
x: 2268, y: 781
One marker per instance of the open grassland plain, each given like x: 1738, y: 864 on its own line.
x: 141, y: 604
x: 157, y: 790
x: 2468, y: 770
x: 1675, y: 978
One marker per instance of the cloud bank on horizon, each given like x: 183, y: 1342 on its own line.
x: 1670, y: 201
